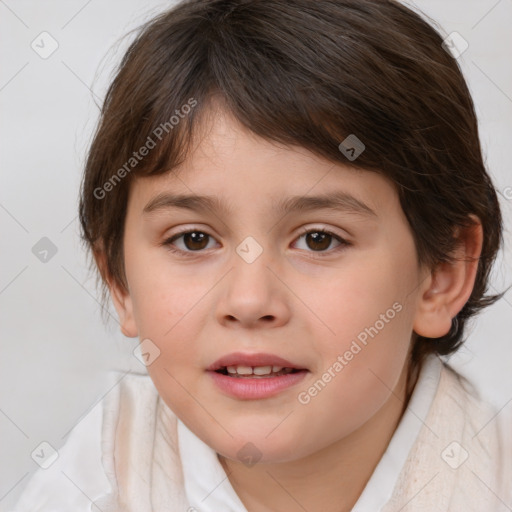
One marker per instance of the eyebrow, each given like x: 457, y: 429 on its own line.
x: 338, y: 201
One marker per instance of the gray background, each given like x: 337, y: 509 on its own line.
x: 55, y: 349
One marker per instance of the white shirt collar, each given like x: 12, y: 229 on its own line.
x: 208, y: 488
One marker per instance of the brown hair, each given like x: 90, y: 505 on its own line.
x: 307, y: 73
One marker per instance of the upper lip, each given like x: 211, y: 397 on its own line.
x: 258, y: 359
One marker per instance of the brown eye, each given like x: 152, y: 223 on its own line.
x: 319, y: 240
x: 195, y: 240
x: 191, y: 241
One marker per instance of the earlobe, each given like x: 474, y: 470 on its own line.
x: 438, y: 303
x: 120, y: 298
x: 450, y: 284
x: 124, y: 307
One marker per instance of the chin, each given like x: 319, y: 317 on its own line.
x: 256, y: 445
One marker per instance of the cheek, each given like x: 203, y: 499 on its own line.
x: 361, y: 364
x: 162, y: 296
x: 167, y: 308
x: 346, y: 403
x: 365, y: 293
x: 368, y: 318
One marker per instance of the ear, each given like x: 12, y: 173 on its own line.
x: 120, y: 297
x: 449, y: 285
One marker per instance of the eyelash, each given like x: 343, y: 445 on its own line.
x: 168, y: 243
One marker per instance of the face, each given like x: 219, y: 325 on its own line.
x: 331, y: 288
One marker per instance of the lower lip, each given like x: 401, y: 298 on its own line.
x: 247, y: 388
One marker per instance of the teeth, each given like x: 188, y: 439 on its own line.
x: 262, y: 370
x: 255, y: 370
x: 243, y: 370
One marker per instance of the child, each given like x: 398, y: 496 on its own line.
x: 287, y: 373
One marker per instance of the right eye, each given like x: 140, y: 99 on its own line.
x: 192, y: 241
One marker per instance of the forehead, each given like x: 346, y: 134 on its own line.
x: 230, y: 167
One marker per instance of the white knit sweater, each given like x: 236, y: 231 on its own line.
x: 131, y: 454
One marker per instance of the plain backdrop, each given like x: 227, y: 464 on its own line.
x: 55, y: 349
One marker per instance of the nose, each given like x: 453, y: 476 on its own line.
x: 252, y: 294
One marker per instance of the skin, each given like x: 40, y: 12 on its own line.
x: 295, y: 300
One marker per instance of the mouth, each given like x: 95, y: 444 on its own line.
x: 240, y: 364
x: 255, y: 376
x: 256, y: 372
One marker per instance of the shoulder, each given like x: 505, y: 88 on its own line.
x: 78, y: 477
x: 460, y: 415
x: 462, y: 458
x: 458, y: 396
x: 74, y: 476
x: 486, y: 428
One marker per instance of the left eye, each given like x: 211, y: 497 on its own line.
x: 318, y: 240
